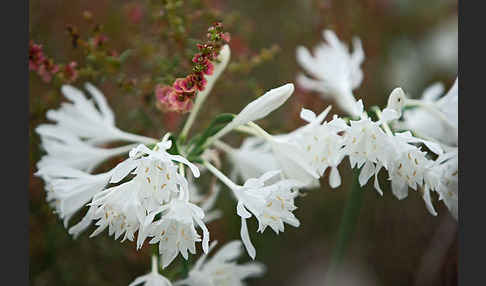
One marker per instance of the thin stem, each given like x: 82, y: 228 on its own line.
x: 192, y: 116
x: 220, y: 175
x: 223, y: 146
x: 155, y: 263
x: 248, y: 130
x: 185, y: 267
x: 243, y: 129
x: 346, y: 228
x: 260, y: 130
x: 384, y: 124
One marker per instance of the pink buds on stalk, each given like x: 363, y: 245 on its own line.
x: 179, y: 97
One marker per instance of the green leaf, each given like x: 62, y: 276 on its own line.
x: 217, y: 124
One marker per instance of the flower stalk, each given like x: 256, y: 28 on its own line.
x: 346, y: 228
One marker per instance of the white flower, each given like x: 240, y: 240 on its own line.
x: 336, y: 71
x: 68, y: 189
x: 119, y: 209
x: 131, y: 206
x: 322, y: 144
x: 72, y: 152
x: 408, y: 167
x: 175, y: 231
x: 291, y: 154
x: 258, y: 108
x: 445, y: 176
x: 82, y: 119
x: 441, y: 125
x: 153, y: 278
x: 367, y: 146
x: 221, y: 269
x: 271, y: 204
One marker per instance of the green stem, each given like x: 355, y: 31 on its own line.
x: 185, y: 267
x: 346, y: 228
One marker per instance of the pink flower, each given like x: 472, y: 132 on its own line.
x: 188, y: 85
x: 200, y: 81
x: 36, y: 56
x: 47, y: 69
x: 170, y: 100
x: 198, y: 58
x: 70, y: 72
x: 178, y: 85
x: 208, y: 67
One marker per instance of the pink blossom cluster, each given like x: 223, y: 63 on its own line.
x: 38, y: 62
x: 179, y: 97
x: 46, y: 68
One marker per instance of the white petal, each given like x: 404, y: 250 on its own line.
x: 428, y: 201
x: 366, y: 172
x: 245, y: 237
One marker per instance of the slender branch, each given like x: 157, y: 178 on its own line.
x: 223, y: 146
x: 192, y: 116
x: 384, y: 124
x: 220, y: 175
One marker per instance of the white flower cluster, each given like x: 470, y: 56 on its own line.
x: 127, y: 198
x: 150, y: 195
x: 433, y: 121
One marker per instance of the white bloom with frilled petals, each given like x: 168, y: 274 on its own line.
x: 68, y: 189
x: 336, y: 71
x: 94, y: 124
x: 175, y: 231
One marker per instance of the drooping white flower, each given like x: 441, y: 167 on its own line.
x: 271, y: 204
x: 437, y: 118
x: 290, y: 151
x: 74, y: 153
x: 90, y: 121
x: 322, y: 144
x: 153, y: 278
x: 336, y: 71
x: 221, y: 269
x: 118, y: 209
x: 444, y: 176
x: 367, y: 146
x: 69, y: 189
x: 175, y: 231
x: 408, y: 167
x: 125, y: 208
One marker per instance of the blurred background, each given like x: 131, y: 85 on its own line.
x: 411, y: 44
